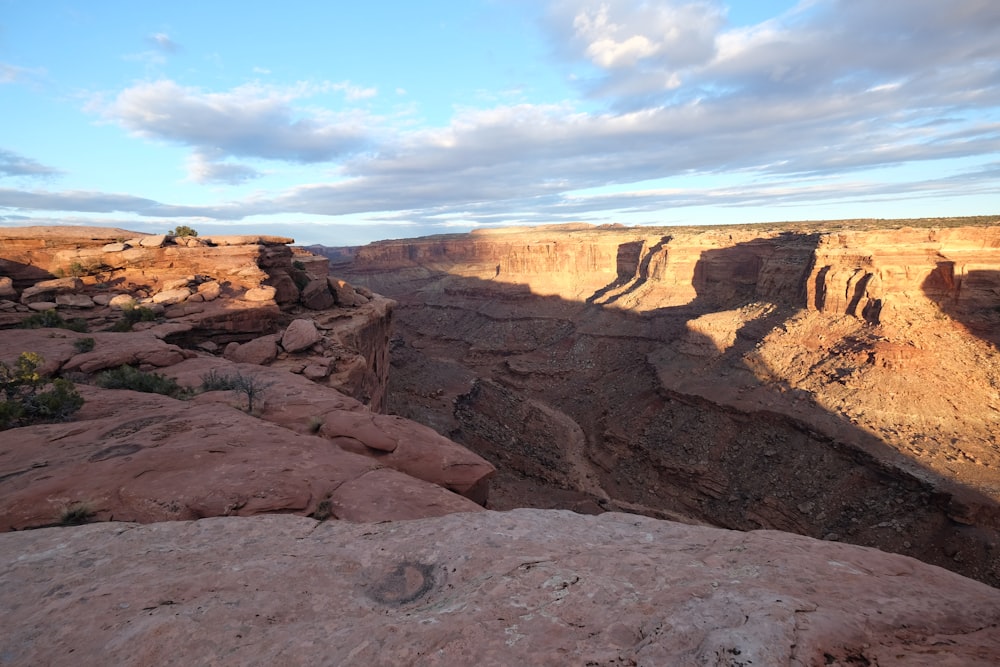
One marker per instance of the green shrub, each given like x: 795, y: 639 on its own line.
x: 129, y: 377
x: 25, y: 397
x: 183, y: 230
x: 131, y: 315
x: 84, y: 344
x: 50, y: 319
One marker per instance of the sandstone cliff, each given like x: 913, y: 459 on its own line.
x: 838, y: 380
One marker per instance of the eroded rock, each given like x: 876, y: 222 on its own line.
x: 523, y: 587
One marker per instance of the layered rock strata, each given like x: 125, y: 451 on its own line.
x: 837, y: 380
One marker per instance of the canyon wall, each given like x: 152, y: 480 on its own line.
x: 838, y: 381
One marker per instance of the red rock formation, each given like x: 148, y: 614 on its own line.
x: 525, y: 587
x: 832, y: 379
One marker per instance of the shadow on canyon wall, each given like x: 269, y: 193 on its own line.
x: 574, y: 397
x: 972, y: 299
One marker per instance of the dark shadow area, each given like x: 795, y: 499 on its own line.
x: 564, y: 397
x: 970, y: 299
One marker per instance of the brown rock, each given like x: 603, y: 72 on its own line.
x: 142, y: 349
x: 316, y: 295
x: 114, y: 247
x: 528, y: 587
x: 122, y: 301
x: 210, y: 290
x: 171, y: 296
x: 146, y: 457
x: 7, y: 287
x: 286, y: 292
x: 261, y: 351
x: 46, y: 290
x: 262, y: 293
x: 153, y: 241
x: 300, y: 335
x: 344, y: 294
x: 74, y: 300
x: 42, y: 306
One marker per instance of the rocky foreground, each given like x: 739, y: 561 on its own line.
x: 527, y: 587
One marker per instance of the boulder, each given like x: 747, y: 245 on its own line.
x: 74, y: 300
x: 316, y: 295
x: 262, y: 293
x: 171, y: 296
x: 300, y: 335
x: 46, y: 290
x: 42, y: 306
x: 344, y: 294
x: 261, y: 351
x: 210, y: 290
x: 527, y: 587
x: 142, y: 349
x: 153, y: 241
x: 114, y: 247
x: 122, y: 301
x: 7, y: 287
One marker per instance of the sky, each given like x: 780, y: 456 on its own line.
x: 343, y: 122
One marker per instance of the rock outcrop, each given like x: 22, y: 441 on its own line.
x: 832, y: 379
x: 307, y: 448
x: 220, y: 292
x: 523, y: 587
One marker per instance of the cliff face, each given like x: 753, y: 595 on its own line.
x: 840, y: 384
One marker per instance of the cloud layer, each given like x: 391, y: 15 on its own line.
x: 789, y: 109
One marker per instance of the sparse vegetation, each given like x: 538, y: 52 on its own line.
x: 315, y: 424
x: 129, y: 377
x: 84, y: 344
x: 183, y: 230
x: 25, y: 397
x: 324, y: 510
x: 50, y: 319
x: 76, y: 514
x: 131, y: 315
x: 251, y: 386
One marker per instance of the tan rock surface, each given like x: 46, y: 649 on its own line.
x: 527, y: 587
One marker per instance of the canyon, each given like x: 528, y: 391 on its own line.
x: 837, y: 380
x: 393, y: 487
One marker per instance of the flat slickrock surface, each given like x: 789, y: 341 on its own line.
x: 527, y: 587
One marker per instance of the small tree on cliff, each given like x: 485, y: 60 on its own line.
x: 183, y: 230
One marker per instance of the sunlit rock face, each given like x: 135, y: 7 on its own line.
x: 277, y: 407
x: 833, y: 379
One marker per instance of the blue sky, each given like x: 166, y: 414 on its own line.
x: 342, y: 123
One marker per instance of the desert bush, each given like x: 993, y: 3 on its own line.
x: 213, y: 380
x: 131, y: 315
x: 129, y: 377
x: 183, y: 230
x: 26, y: 400
x: 84, y: 344
x: 251, y: 386
x: 76, y: 514
x: 50, y: 319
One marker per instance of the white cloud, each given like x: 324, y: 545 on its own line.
x: 248, y: 121
x: 203, y: 168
